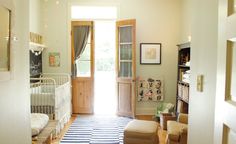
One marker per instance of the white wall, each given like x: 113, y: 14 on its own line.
x: 158, y: 21
x: 185, y: 19
x: 54, y: 22
x: 203, y: 61
x: 35, y: 16
x: 14, y: 96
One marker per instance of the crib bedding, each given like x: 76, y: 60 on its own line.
x: 45, y: 96
x: 38, y: 122
x: 49, y: 99
x: 42, y: 99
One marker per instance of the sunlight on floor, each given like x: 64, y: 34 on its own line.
x: 105, y: 102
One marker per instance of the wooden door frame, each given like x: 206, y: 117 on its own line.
x: 92, y: 43
x: 131, y: 22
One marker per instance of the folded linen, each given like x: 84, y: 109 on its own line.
x: 186, y: 76
x: 186, y: 80
x: 188, y: 71
x: 187, y: 63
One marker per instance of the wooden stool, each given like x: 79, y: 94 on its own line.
x: 141, y: 132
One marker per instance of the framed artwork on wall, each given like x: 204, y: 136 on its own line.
x: 150, y: 53
x: 54, y: 59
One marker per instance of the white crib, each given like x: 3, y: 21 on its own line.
x: 51, y: 94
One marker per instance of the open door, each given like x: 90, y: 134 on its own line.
x: 125, y: 67
x: 225, y: 114
x: 83, y: 81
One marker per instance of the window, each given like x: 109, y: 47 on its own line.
x: 84, y: 62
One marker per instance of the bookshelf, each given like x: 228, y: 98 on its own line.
x: 183, y: 78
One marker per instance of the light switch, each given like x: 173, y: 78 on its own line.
x: 200, y: 83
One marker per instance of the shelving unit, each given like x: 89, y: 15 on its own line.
x: 182, y: 96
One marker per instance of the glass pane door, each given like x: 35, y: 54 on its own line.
x: 125, y: 70
x: 125, y: 51
x: 126, y: 34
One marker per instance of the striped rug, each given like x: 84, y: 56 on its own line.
x: 96, y: 130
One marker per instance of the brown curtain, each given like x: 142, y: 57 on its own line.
x: 81, y: 34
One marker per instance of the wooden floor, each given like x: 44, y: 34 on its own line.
x: 161, y: 133
x: 64, y: 130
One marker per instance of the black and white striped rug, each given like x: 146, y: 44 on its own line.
x: 96, y: 130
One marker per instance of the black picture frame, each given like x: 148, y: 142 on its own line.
x: 150, y: 53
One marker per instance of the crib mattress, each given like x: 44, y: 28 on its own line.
x: 38, y: 122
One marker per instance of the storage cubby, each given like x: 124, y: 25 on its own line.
x: 183, y: 78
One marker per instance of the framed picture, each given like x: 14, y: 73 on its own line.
x: 150, y: 53
x: 54, y: 59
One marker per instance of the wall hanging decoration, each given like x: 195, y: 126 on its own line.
x: 150, y: 90
x: 54, y: 59
x: 150, y: 53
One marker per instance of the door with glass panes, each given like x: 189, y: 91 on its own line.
x: 83, y: 81
x: 225, y: 107
x: 125, y: 67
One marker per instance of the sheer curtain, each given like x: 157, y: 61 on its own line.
x: 81, y: 34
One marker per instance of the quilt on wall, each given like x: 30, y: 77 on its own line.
x: 150, y: 90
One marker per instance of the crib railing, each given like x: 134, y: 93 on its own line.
x: 43, y: 96
x: 43, y: 92
x: 60, y: 78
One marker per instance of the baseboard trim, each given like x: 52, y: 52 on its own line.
x: 145, y: 111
